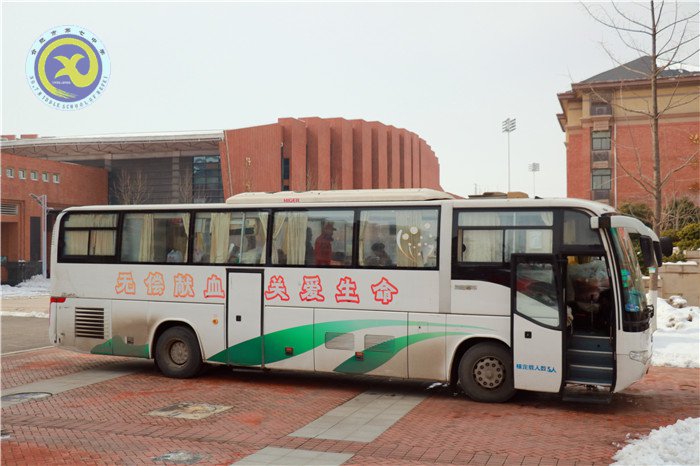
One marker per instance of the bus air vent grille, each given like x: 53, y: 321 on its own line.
x: 90, y: 323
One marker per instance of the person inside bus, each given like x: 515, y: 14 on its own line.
x: 379, y: 257
x: 309, y: 251
x: 174, y: 255
x: 323, y: 247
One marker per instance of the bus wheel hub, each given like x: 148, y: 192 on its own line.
x: 179, y: 353
x: 489, y: 372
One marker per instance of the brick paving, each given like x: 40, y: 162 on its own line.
x: 108, y: 422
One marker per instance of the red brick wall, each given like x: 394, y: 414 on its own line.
x: 394, y: 157
x: 78, y: 185
x: 325, y: 154
x: 253, y: 156
x: 406, y: 160
x: 341, y: 154
x: 362, y: 154
x: 415, y: 160
x: 319, y: 152
x: 633, y: 144
x: 578, y: 166
x: 380, y: 168
x: 675, y: 144
x: 294, y: 137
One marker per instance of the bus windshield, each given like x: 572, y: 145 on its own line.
x: 634, y: 297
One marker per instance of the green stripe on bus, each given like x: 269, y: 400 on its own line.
x: 117, y: 346
x: 306, y: 337
x: 380, y: 354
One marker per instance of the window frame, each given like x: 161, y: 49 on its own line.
x: 193, y: 216
x: 10, y: 172
x: 189, y: 228
x: 503, y: 228
x: 595, y: 176
x: 356, y: 258
x: 89, y: 258
x: 607, y: 138
x: 271, y: 211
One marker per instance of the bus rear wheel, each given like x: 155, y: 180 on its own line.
x: 178, y: 354
x: 486, y: 373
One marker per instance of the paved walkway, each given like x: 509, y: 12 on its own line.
x: 107, y: 417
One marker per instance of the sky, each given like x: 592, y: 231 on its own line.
x: 449, y: 72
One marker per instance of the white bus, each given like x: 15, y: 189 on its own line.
x: 493, y: 294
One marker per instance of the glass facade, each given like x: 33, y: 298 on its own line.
x: 206, y: 180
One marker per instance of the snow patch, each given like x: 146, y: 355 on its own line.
x: 35, y: 286
x: 677, y: 338
x: 41, y: 315
x: 674, y: 444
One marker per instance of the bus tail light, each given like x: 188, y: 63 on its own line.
x: 288, y: 350
x: 58, y: 299
x: 359, y: 355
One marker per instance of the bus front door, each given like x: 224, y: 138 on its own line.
x: 244, y: 307
x: 537, y: 323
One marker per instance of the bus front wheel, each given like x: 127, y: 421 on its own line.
x: 486, y: 373
x: 178, y: 354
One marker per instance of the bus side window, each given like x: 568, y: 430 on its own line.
x: 156, y: 237
x: 313, y: 238
x: 398, y: 238
x: 230, y: 237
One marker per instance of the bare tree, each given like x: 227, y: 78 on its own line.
x: 671, y: 40
x: 131, y: 188
x: 188, y: 192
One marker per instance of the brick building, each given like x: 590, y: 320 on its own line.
x: 607, y: 138
x: 64, y: 184
x: 291, y: 154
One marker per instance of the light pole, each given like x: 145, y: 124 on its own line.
x: 534, y: 168
x: 509, y: 127
x: 42, y: 201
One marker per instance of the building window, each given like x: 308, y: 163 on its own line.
x: 34, y: 175
x: 206, y: 179
x: 601, y: 108
x: 600, y: 140
x: 56, y: 178
x: 600, y: 179
x: 45, y: 177
x: 22, y: 174
x: 285, y: 169
x: 10, y: 172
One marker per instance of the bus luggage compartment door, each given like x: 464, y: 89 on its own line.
x: 244, y: 307
x: 537, y: 323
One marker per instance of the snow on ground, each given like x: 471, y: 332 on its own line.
x: 35, y: 286
x: 677, y: 338
x: 675, y: 444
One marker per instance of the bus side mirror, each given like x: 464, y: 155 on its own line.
x: 648, y: 254
x: 666, y: 245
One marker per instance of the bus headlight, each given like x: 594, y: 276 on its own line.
x: 641, y: 356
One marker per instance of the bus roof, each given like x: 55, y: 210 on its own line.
x: 340, y: 195
x: 403, y: 197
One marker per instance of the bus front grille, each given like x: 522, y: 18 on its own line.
x: 90, y: 323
